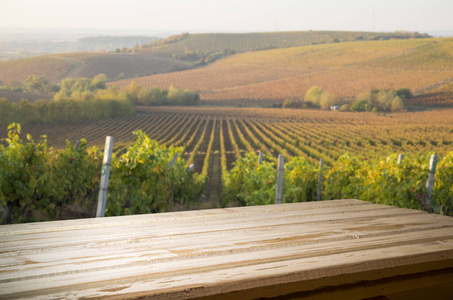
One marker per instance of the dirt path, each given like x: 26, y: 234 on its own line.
x: 215, y: 171
x: 229, y: 150
x: 211, y: 197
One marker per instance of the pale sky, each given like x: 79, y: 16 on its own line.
x: 230, y: 15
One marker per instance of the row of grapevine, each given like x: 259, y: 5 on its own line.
x: 198, y: 144
x: 381, y: 181
x: 41, y: 183
x: 328, y: 138
x: 244, y: 42
x: 42, y: 194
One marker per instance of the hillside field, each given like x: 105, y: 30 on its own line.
x: 262, y: 69
x: 195, y: 46
x: 59, y: 66
x: 346, y: 69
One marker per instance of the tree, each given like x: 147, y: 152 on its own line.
x: 98, y: 82
x: 361, y: 105
x: 175, y: 95
x: 37, y: 84
x: 385, y: 99
x: 151, y: 96
x: 190, y: 98
x: 327, y: 100
x: 313, y: 95
x: 404, y: 93
x: 42, y: 107
x: 133, y: 89
x: 28, y: 112
x: 397, y: 104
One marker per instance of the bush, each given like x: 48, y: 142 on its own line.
x: 385, y: 100
x: 404, y: 93
x: 179, y: 97
x: 289, y: 103
x: 345, y: 107
x: 77, y: 87
x: 397, y: 104
x: 361, y: 105
x: 151, y: 96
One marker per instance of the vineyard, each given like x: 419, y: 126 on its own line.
x: 195, y: 45
x: 265, y: 68
x: 441, y: 96
x: 309, y: 133
x: 345, y: 69
x: 216, y: 140
x: 59, y: 66
x: 18, y: 70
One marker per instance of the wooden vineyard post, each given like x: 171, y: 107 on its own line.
x: 77, y: 145
x: 173, y: 161
x: 400, y: 158
x: 430, y: 182
x: 102, y: 200
x: 318, y: 195
x: 281, y: 169
x: 260, y: 157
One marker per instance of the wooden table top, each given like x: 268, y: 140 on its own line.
x: 300, y: 249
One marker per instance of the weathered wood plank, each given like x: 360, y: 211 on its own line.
x: 229, y: 252
x: 229, y: 213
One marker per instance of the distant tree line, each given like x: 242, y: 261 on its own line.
x: 65, y: 110
x: 33, y: 84
x: 168, y: 40
x: 75, y: 99
x: 400, y: 35
x: 374, y: 101
x: 82, y: 88
x: 114, y: 41
x: 83, y: 98
x: 153, y: 96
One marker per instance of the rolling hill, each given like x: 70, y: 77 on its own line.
x: 346, y: 69
x: 199, y: 46
x: 59, y: 66
x: 267, y: 67
x: 171, y: 54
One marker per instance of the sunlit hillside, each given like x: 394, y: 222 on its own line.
x: 209, y: 46
x: 346, y: 69
x: 59, y: 66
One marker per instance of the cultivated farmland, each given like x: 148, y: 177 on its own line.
x: 193, y: 46
x: 308, y: 133
x: 346, y: 69
x: 59, y: 66
x: 214, y: 139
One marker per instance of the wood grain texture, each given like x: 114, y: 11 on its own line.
x: 349, y: 248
